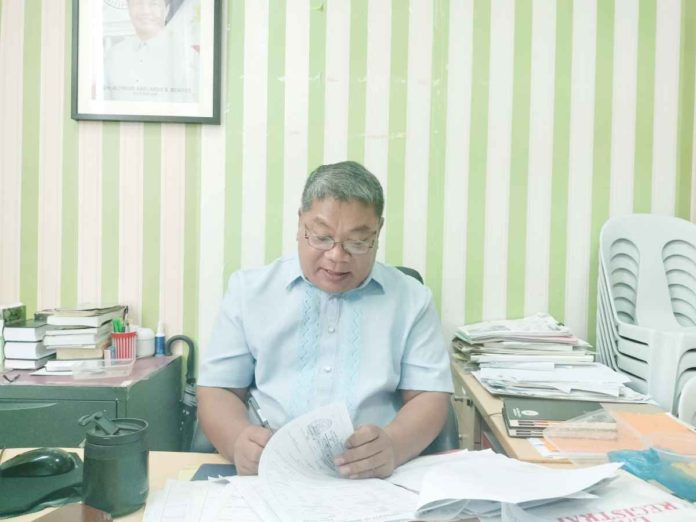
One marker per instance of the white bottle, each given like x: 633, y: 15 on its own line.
x: 145, y: 343
x: 159, y: 340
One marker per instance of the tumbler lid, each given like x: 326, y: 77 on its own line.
x: 112, y: 432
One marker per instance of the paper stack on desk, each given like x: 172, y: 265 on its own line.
x: 626, y: 499
x: 537, y: 341
x: 298, y: 482
x: 593, y: 382
x: 479, y: 484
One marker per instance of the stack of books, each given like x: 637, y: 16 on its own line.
x: 10, y: 314
x: 80, y: 333
x: 527, y: 417
x: 537, y: 341
x: 24, y: 347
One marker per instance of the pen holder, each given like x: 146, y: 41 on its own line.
x: 124, y: 345
x: 115, y: 477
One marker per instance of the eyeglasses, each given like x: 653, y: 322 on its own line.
x: 355, y: 247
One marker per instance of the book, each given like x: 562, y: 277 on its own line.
x: 78, y: 330
x: 79, y: 353
x: 31, y: 330
x: 68, y: 365
x: 570, y: 428
x: 12, y: 314
x: 87, y: 340
x: 63, y: 317
x: 26, y: 364
x: 103, y: 342
x: 76, y: 513
x: 86, y: 310
x: 25, y: 350
x: 206, y: 471
x: 521, y: 412
x: 525, y: 432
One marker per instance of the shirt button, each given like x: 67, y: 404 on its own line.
x: 331, y: 329
x: 328, y: 369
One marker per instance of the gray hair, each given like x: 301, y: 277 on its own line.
x: 345, y: 181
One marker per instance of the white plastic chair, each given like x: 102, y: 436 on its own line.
x: 646, y: 313
x: 686, y: 408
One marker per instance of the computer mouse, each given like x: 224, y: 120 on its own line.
x: 41, y: 462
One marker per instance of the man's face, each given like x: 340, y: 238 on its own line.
x: 336, y: 270
x: 147, y: 16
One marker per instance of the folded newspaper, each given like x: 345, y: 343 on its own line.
x: 538, y: 326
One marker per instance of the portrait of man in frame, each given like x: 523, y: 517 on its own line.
x: 151, y: 50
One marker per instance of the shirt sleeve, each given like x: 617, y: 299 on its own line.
x: 227, y: 361
x: 425, y: 365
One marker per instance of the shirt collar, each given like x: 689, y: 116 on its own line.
x: 374, y: 283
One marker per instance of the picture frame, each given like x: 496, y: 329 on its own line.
x: 146, y: 60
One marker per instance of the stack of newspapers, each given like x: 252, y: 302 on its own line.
x: 538, y: 356
x: 520, y: 343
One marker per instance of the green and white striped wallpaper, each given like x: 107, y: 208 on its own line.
x: 505, y: 133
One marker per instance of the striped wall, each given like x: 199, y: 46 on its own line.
x: 505, y: 133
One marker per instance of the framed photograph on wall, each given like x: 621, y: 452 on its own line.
x: 146, y: 60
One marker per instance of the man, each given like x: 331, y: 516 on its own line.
x: 157, y: 63
x: 329, y: 325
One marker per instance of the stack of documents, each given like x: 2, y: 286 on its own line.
x: 593, y: 382
x: 480, y: 482
x: 625, y: 499
x: 538, y: 341
x: 297, y: 481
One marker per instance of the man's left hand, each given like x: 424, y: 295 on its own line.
x: 370, y: 454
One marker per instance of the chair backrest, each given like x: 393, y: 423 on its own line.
x: 448, y: 438
x: 412, y: 272
x: 647, y: 296
x: 686, y: 409
x: 649, y: 264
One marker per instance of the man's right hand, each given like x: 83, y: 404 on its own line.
x: 248, y: 448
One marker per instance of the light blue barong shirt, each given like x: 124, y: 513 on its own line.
x: 298, y: 347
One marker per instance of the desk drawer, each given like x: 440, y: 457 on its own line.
x: 31, y: 423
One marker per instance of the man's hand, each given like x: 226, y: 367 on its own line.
x: 370, y: 454
x: 248, y: 448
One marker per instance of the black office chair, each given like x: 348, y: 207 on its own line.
x: 447, y: 439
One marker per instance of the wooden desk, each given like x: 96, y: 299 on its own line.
x: 163, y: 465
x: 486, y: 421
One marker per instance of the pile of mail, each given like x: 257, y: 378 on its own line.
x: 531, y: 341
x: 594, y: 382
x: 538, y: 356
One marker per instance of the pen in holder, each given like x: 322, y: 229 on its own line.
x: 124, y: 345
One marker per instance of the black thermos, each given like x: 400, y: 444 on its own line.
x: 115, y: 475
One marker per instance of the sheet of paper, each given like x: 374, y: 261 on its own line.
x: 298, y: 479
x: 198, y: 501
x: 181, y: 501
x: 586, y: 373
x: 626, y: 498
x: 307, y: 445
x: 480, y: 480
x: 411, y: 474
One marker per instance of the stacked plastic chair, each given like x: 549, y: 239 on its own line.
x: 646, y: 305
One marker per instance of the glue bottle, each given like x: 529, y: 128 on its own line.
x: 159, y: 340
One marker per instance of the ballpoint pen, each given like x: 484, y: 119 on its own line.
x: 254, y: 406
x: 11, y: 379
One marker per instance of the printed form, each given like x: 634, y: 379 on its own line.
x: 297, y: 482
